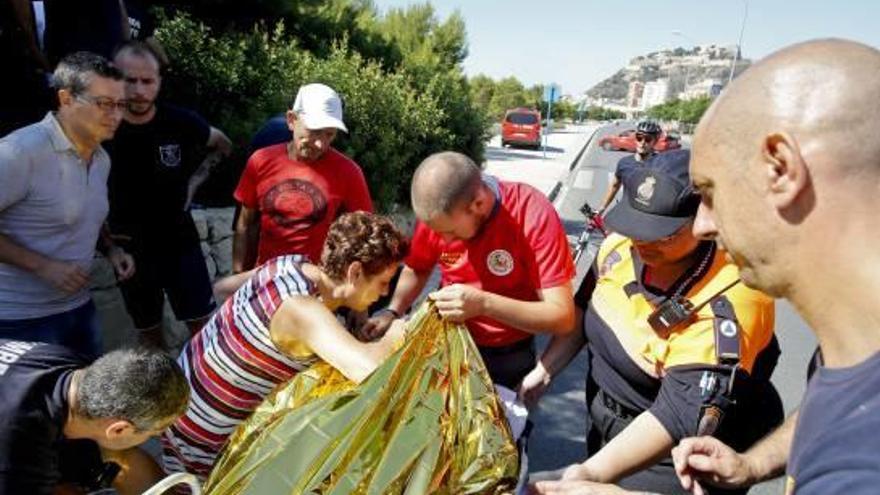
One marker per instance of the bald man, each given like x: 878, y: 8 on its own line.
x: 504, y: 260
x: 795, y: 205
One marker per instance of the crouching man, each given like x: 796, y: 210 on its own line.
x: 70, y: 428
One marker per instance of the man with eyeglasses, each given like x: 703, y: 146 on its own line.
x: 647, y: 133
x: 53, y: 202
x: 676, y: 344
x: 161, y: 153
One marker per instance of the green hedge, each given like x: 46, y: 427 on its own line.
x: 685, y: 111
x: 239, y: 80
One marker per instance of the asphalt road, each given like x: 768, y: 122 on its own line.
x: 558, y: 438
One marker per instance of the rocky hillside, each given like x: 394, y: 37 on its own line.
x: 678, y: 65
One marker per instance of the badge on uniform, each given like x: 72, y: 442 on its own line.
x: 645, y: 191
x: 499, y: 262
x: 708, y: 384
x: 169, y: 154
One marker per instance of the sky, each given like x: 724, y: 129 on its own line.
x: 577, y: 43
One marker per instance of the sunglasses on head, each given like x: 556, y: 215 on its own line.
x: 648, y: 138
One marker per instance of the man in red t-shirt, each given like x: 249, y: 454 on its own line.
x: 290, y: 193
x: 504, y: 260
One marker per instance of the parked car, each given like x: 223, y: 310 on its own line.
x: 626, y: 141
x: 521, y: 126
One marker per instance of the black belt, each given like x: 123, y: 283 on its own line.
x: 518, y: 346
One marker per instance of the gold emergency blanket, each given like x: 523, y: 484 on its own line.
x: 426, y: 421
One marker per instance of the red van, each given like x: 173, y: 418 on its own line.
x: 521, y: 126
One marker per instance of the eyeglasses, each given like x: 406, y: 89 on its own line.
x: 104, y: 103
x: 648, y: 138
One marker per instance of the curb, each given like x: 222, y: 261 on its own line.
x: 577, y: 158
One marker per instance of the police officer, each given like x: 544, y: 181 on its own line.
x: 676, y: 344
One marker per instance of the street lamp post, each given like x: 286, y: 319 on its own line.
x: 739, y: 43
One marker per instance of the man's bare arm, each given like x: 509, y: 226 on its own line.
x: 553, y: 312
x: 245, y: 240
x: 219, y: 147
x: 609, y: 194
x: 706, y: 459
x: 139, y: 470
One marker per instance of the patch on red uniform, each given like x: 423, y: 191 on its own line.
x: 499, y: 262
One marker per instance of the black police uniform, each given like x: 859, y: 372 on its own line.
x: 632, y: 369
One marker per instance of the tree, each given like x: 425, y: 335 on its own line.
x: 432, y: 53
x: 509, y: 93
x: 686, y: 111
x: 316, y: 25
x: 482, y: 89
x: 239, y: 79
x: 426, y: 45
x: 602, y: 113
x: 562, y: 110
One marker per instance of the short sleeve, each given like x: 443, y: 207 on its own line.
x: 680, y: 400
x: 618, y: 170
x: 199, y: 128
x: 15, y: 175
x: 751, y: 412
x: 358, y: 197
x: 547, y: 239
x: 422, y: 252
x: 196, y: 131
x: 246, y: 190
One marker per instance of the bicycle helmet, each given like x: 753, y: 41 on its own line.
x: 648, y: 127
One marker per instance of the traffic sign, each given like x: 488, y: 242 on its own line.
x: 552, y: 93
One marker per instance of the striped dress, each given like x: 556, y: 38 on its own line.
x: 232, y: 365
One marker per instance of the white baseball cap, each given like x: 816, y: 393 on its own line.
x: 319, y: 107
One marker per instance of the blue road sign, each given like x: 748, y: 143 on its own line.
x: 552, y: 93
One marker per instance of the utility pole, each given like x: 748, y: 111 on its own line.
x: 739, y: 43
x: 549, y: 95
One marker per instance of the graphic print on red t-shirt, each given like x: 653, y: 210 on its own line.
x: 295, y: 204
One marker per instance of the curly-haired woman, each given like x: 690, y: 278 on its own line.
x: 278, y: 323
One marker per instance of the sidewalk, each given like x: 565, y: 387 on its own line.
x: 530, y: 166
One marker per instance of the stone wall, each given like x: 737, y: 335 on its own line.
x: 215, y: 231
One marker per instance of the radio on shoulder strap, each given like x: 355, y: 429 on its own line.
x: 727, y: 351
